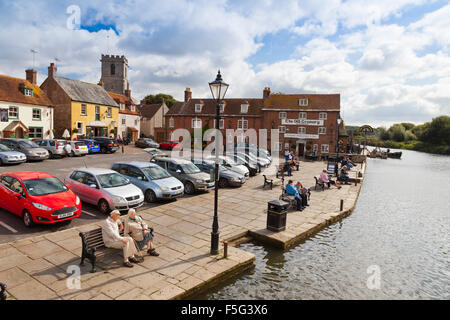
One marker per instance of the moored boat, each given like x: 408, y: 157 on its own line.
x: 395, y: 155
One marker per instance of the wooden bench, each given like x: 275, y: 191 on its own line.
x: 319, y: 184
x: 93, y: 246
x: 267, y: 182
x: 289, y: 199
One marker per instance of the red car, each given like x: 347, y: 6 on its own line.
x: 37, y: 197
x: 170, y: 145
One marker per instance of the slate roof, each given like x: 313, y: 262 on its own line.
x: 123, y: 99
x: 11, y: 90
x: 85, y: 92
x: 315, y: 101
x: 232, y: 107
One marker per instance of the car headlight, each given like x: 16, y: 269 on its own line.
x: 118, y: 199
x: 199, y: 181
x: 77, y: 201
x: 164, y: 188
x: 6, y: 157
x: 41, y: 206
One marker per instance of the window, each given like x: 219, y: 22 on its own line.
x: 97, y: 113
x: 303, y: 102
x: 315, y: 147
x: 324, y: 148
x: 28, y: 92
x: 322, y: 130
x: 13, y: 112
x: 301, y: 130
x: 83, y: 109
x: 122, y: 106
x: 123, y: 121
x: 302, y: 115
x: 242, y: 124
x: 196, y: 123
x: 282, y: 115
x: 36, y: 114
x: 35, y: 132
x: 244, y: 108
x: 109, y: 112
x: 136, y: 122
x: 113, y: 69
x: 221, y: 123
x: 171, y: 123
x: 323, y: 115
x: 80, y: 127
x: 133, y: 108
x: 198, y: 108
x: 222, y: 107
x: 282, y: 129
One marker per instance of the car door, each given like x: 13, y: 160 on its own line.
x: 137, y: 177
x: 76, y: 182
x: 93, y: 195
x: 12, y: 203
x: 172, y: 168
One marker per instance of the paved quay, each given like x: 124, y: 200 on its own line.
x: 36, y: 267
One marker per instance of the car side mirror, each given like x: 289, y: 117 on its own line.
x: 69, y: 187
x: 17, y: 195
x: 140, y: 178
x: 178, y: 171
x: 93, y: 186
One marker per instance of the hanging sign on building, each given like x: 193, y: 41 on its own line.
x: 301, y: 136
x: 302, y: 122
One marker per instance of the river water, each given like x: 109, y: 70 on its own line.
x: 395, y: 244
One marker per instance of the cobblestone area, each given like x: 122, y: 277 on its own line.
x: 36, y: 268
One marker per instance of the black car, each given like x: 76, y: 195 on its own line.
x: 146, y: 143
x: 106, y: 144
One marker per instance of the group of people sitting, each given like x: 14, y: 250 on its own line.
x: 137, y: 236
x: 299, y: 192
x: 290, y: 162
x: 347, y: 164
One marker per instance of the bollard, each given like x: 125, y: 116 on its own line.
x: 122, y: 147
x: 225, y: 249
x: 342, y: 204
x: 356, y: 178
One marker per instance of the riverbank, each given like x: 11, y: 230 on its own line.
x: 414, y: 145
x: 35, y: 268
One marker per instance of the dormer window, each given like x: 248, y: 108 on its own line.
x: 133, y: 108
x: 303, y: 102
x: 28, y: 92
x: 244, y: 108
x: 198, y: 108
x: 122, y: 106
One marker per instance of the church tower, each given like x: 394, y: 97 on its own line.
x: 115, y: 73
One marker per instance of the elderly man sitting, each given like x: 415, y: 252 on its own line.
x: 139, y: 231
x: 112, y: 238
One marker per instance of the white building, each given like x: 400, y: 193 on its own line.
x: 25, y: 109
x: 129, y: 118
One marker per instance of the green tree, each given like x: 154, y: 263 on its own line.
x: 407, y: 125
x: 152, y: 99
x: 420, y: 130
x: 409, y: 136
x: 397, y: 132
x: 383, y: 134
x: 438, y: 131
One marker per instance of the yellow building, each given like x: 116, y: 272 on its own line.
x: 83, y: 109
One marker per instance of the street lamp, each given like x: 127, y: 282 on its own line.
x: 218, y: 90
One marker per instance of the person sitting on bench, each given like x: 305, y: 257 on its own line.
x: 303, y: 192
x: 140, y: 232
x: 347, y: 162
x: 293, y: 162
x: 112, y: 238
x: 344, y: 174
x: 291, y: 191
x: 287, y: 166
x: 325, y: 179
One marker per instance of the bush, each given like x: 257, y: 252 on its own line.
x: 409, y: 136
x: 383, y: 134
x: 407, y: 125
x: 397, y: 132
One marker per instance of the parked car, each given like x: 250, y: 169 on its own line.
x: 29, y: 148
x: 79, y: 148
x: 259, y: 162
x: 8, y: 156
x: 93, y: 146
x: 105, y: 188
x: 146, y: 143
x: 255, y: 151
x: 232, y: 165
x: 55, y: 147
x: 188, y: 173
x: 251, y: 165
x: 227, y: 177
x: 155, y: 152
x: 106, y: 144
x: 38, y: 197
x: 154, y: 181
x: 170, y: 145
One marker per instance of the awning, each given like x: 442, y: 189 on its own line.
x: 13, y: 126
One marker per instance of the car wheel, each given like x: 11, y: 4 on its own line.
x: 223, y: 183
x: 189, y: 188
x: 150, y: 196
x: 1, y: 162
x: 27, y: 219
x: 103, y: 206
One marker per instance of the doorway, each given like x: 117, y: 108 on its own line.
x: 19, y: 133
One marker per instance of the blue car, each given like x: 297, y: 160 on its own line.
x: 154, y: 181
x: 92, y: 145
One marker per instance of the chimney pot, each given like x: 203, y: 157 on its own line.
x: 187, y: 95
x: 52, y: 70
x: 31, y: 76
x: 266, y: 93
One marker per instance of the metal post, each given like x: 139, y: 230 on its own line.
x: 342, y: 204
x: 225, y: 249
x: 215, y: 225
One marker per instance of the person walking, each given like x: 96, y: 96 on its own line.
x: 113, y: 239
x: 140, y: 232
x: 291, y: 191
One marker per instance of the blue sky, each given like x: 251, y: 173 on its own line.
x: 389, y: 60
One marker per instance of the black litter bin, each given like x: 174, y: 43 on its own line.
x: 276, y: 215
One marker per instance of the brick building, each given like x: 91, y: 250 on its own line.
x: 306, y: 122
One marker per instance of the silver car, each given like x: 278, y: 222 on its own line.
x: 28, y: 147
x: 78, y: 148
x: 104, y: 188
x: 9, y: 156
x: 54, y: 146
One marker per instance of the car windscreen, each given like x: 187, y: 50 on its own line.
x: 28, y: 144
x: 4, y: 148
x: 230, y: 161
x: 44, y: 186
x: 112, y: 180
x: 190, y: 168
x: 155, y: 173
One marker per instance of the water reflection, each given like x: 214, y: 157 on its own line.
x: 401, y: 224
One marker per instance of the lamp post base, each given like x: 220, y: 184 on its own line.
x: 214, y: 243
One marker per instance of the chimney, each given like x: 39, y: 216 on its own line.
x: 52, y: 70
x: 187, y: 95
x: 266, y: 93
x: 128, y: 93
x: 31, y: 76
x: 101, y: 84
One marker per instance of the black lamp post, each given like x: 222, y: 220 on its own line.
x: 218, y: 90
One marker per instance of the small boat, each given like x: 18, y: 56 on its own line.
x: 395, y: 155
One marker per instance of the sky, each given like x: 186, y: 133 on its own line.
x: 388, y: 59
